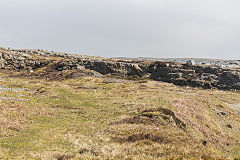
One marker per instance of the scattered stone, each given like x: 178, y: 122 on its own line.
x: 191, y: 62
x: 193, y: 74
x: 222, y: 113
x: 13, y: 99
x: 229, y: 125
x: 171, y: 119
x: 204, y: 143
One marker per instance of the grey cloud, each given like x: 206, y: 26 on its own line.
x: 132, y: 28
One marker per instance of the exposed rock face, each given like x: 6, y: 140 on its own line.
x: 198, y: 76
x: 178, y: 73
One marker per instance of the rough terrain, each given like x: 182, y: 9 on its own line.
x: 57, y: 106
x: 42, y: 62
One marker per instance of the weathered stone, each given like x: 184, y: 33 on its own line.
x: 188, y: 74
x: 222, y: 113
x: 191, y: 62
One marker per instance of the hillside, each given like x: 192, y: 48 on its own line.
x: 62, y: 106
x: 40, y: 63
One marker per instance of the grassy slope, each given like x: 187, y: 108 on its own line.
x: 92, y: 118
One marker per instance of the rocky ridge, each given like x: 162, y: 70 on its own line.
x: 184, y: 74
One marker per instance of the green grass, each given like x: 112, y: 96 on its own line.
x: 62, y: 120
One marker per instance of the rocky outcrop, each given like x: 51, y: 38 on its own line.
x: 188, y: 74
x: 197, y: 76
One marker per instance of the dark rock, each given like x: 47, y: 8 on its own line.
x: 189, y: 74
x: 222, y: 113
x: 204, y: 143
x: 229, y: 125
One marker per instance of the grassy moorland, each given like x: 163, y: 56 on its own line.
x: 106, y: 118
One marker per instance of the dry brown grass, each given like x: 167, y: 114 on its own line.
x: 106, y: 118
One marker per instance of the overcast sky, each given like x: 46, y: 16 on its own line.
x: 130, y: 28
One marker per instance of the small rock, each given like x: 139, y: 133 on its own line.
x: 167, y: 65
x: 191, y: 62
x: 229, y: 125
x: 204, y: 143
x: 222, y: 113
x: 171, y: 119
x: 80, y: 67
